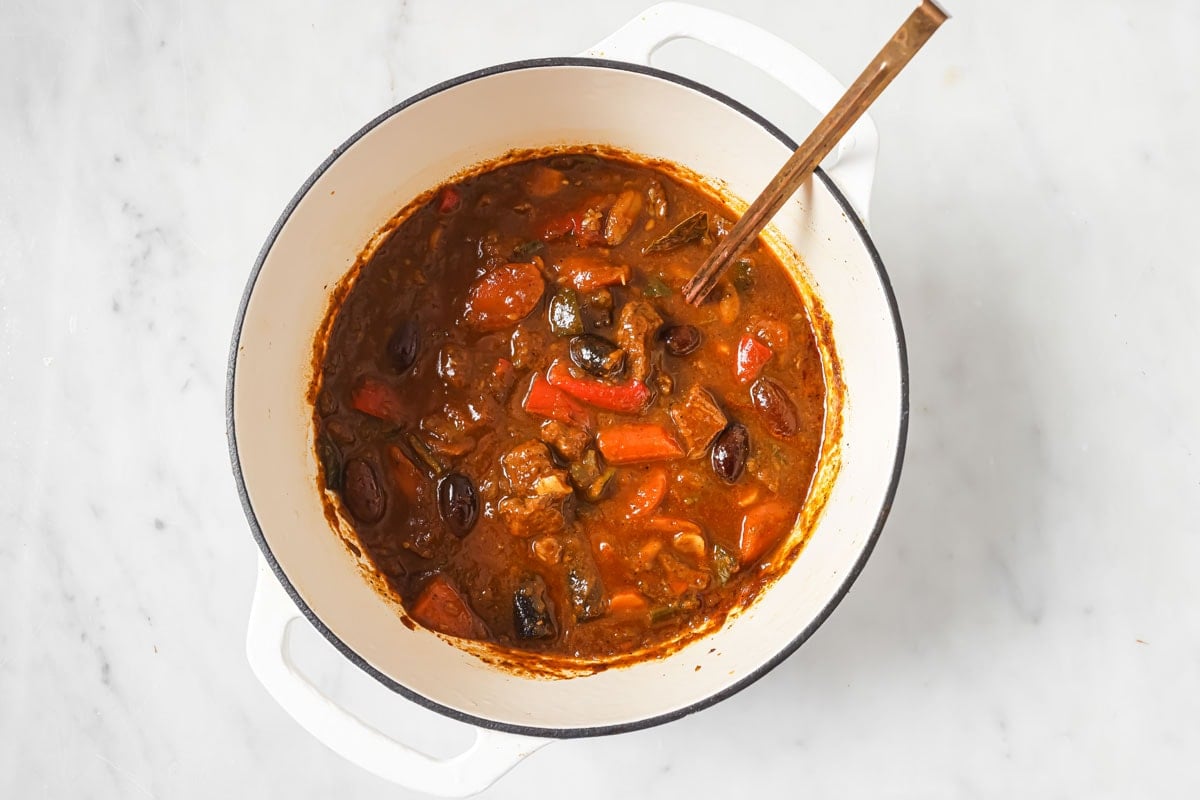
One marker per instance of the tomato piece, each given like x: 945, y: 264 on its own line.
x: 441, y: 608
x: 752, y: 355
x: 553, y: 403
x: 378, y: 399
x: 504, y: 296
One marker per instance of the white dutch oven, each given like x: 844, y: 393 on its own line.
x: 604, y: 98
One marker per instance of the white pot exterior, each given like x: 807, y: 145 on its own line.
x: 418, y: 145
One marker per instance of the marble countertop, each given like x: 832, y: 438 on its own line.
x: 1028, y: 624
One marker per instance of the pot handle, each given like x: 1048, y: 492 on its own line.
x: 482, y: 764
x: 851, y: 164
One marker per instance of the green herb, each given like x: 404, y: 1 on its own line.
x: 526, y: 250
x: 662, y: 614
x: 566, y: 319
x: 331, y: 462
x: 690, y: 230
x: 424, y: 455
x: 724, y: 564
x: 656, y: 288
x: 743, y: 275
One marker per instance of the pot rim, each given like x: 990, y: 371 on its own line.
x: 602, y: 730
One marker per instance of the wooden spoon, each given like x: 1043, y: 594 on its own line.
x: 911, y: 36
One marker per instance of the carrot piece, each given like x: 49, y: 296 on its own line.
x: 441, y: 608
x: 626, y: 601
x: 762, y: 526
x: 378, y: 399
x: 645, y: 495
x: 404, y: 473
x: 637, y: 441
x: 553, y: 403
x: 751, y: 356
x: 588, y: 274
x: 504, y: 296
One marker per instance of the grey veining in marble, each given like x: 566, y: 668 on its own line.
x: 1028, y: 625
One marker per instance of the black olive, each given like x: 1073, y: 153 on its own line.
x: 361, y: 491
x: 458, y: 504
x: 730, y: 451
x: 403, y: 345
x: 680, y: 339
x: 775, y: 407
x: 597, y: 356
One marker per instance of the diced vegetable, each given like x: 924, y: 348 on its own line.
x: 449, y: 200
x: 690, y: 543
x: 531, y: 612
x: 504, y: 296
x: 589, y: 478
x: 404, y: 474
x: 588, y: 274
x: 378, y: 399
x: 545, y: 181
x: 621, y: 217
x: 656, y: 288
x: 743, y: 275
x: 553, y: 403
x: 690, y: 230
x: 331, y: 462
x: 441, y: 608
x: 671, y: 525
x: 661, y: 614
x: 525, y: 250
x: 643, y: 494
x: 566, y: 318
x: 634, y: 442
x: 627, y: 601
x: 752, y: 355
x: 762, y: 526
x: 729, y: 305
x: 724, y: 564
x: 627, y: 398
x: 422, y: 452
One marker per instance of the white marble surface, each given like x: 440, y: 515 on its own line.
x: 1028, y: 625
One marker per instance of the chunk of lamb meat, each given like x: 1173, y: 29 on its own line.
x: 698, y: 419
x: 537, y: 491
x: 636, y: 327
x: 567, y: 440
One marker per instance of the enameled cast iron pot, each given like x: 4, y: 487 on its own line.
x: 608, y: 97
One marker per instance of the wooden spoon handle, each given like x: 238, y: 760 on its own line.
x: 911, y: 36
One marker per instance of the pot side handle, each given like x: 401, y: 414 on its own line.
x: 852, y: 163
x: 267, y: 645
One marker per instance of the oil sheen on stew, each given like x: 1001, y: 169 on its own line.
x: 538, y: 443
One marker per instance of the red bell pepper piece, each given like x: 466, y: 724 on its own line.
x: 625, y: 398
x: 449, y: 200
x: 751, y: 356
x: 552, y: 403
x: 378, y: 399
